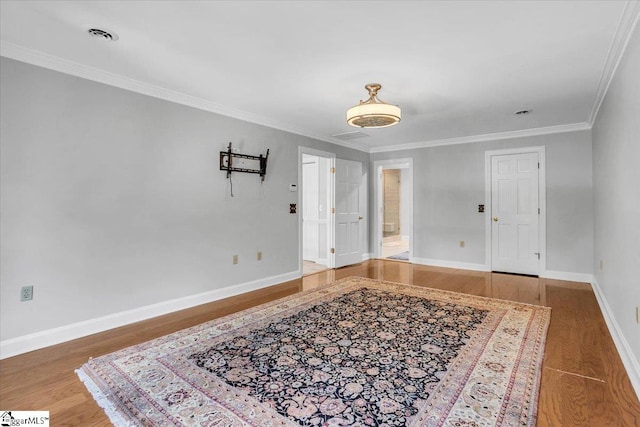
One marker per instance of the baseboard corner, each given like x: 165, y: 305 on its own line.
x: 629, y: 360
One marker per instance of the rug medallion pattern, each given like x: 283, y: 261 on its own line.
x: 359, y: 352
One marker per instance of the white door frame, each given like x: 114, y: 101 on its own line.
x: 378, y: 200
x: 542, y: 202
x: 331, y: 221
x: 310, y: 253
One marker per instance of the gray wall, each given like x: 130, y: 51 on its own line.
x: 449, y: 185
x: 112, y: 200
x: 616, y: 158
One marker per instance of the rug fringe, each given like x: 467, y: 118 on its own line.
x: 103, y: 401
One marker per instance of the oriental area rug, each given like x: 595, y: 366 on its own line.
x: 358, y: 352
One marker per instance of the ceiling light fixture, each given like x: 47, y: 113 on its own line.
x: 373, y: 113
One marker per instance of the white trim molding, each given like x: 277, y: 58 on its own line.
x: 41, y: 59
x: 567, y: 276
x: 331, y: 157
x: 378, y: 201
x: 15, y: 346
x: 450, y: 264
x: 626, y: 25
x: 622, y: 345
x: 571, y: 127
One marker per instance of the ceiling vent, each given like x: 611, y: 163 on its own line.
x: 350, y: 135
x: 105, y: 35
x: 522, y: 112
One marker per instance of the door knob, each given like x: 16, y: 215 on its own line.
x: 360, y: 217
x: 495, y: 219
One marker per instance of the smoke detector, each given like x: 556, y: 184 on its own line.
x: 103, y: 34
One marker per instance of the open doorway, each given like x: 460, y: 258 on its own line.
x: 316, y: 195
x: 395, y: 244
x: 394, y: 208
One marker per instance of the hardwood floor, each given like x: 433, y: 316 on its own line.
x: 310, y: 267
x: 583, y: 380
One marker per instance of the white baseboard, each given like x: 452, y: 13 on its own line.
x: 564, y: 275
x: 37, y: 340
x: 367, y: 256
x: 629, y: 361
x: 450, y: 264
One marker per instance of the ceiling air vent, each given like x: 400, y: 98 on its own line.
x: 103, y: 34
x: 350, y: 135
x: 522, y: 112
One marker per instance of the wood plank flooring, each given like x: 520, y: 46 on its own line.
x: 583, y: 380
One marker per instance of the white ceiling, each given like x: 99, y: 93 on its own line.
x: 459, y: 70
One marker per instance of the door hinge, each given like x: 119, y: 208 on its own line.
x: 537, y: 253
x: 333, y: 250
x: 332, y: 170
x: 333, y: 210
x: 538, y: 165
x: 538, y: 211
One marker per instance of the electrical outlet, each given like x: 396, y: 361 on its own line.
x: 462, y: 243
x: 235, y: 259
x: 259, y: 255
x: 26, y: 293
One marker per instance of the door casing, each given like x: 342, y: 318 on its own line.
x: 331, y: 221
x: 378, y: 167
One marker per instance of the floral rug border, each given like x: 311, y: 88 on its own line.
x: 459, y: 396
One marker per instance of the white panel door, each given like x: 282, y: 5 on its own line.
x: 348, y: 216
x: 515, y: 214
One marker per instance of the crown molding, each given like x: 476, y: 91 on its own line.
x: 571, y: 127
x: 627, y: 23
x: 41, y: 59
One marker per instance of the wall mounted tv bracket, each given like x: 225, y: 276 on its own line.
x: 227, y: 160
